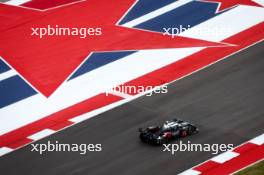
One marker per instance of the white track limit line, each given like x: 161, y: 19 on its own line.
x: 7, y: 74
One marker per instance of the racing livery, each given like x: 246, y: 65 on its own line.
x: 170, y: 130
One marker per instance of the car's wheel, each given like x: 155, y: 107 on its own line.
x: 164, y: 141
x: 192, y: 130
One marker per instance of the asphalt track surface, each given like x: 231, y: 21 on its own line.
x: 225, y: 100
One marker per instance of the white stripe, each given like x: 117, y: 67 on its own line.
x: 261, y: 2
x: 258, y: 140
x: 156, y: 13
x: 111, y: 75
x: 7, y: 74
x: 41, y: 134
x: 190, y: 172
x: 221, y: 158
x: 5, y: 150
x: 16, y: 2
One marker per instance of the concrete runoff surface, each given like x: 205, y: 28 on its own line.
x: 225, y: 100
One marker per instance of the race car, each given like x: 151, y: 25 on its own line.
x: 170, y: 130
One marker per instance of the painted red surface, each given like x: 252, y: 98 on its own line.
x: 44, y: 4
x: 47, y: 62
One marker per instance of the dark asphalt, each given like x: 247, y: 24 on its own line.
x: 225, y: 101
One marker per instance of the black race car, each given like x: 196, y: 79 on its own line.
x: 170, y: 130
